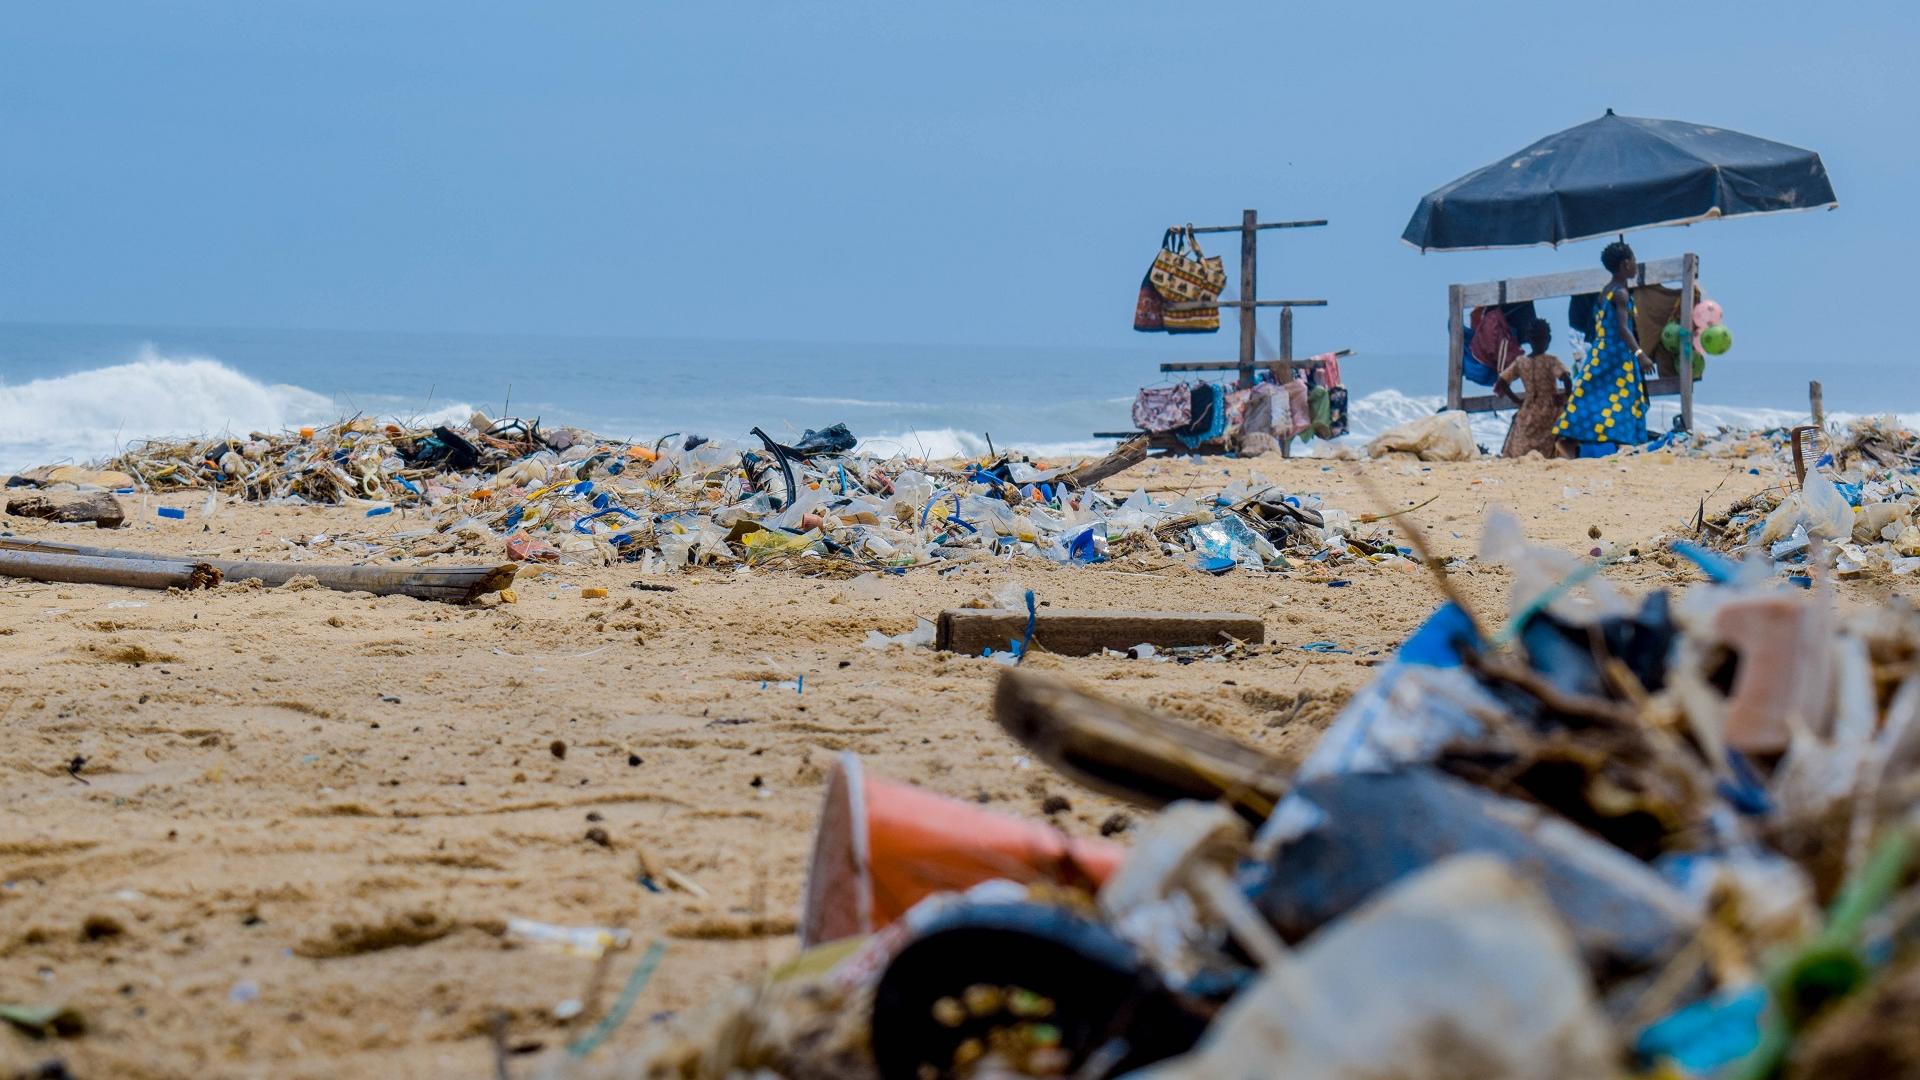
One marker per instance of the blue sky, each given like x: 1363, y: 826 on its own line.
x: 929, y: 172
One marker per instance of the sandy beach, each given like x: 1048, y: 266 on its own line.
x: 304, y: 817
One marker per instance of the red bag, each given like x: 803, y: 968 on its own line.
x: 1493, y: 342
x: 1149, y: 311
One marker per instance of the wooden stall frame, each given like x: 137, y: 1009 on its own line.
x: 1248, y: 306
x: 1249, y: 302
x: 1461, y: 298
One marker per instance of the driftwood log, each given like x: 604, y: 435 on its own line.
x: 93, y: 570
x: 98, y: 507
x: 452, y: 584
x: 1083, y: 633
x: 1124, y: 457
x: 1131, y: 753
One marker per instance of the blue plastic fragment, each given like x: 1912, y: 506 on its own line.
x: 585, y: 525
x: 1020, y: 647
x: 1324, y: 647
x: 172, y: 512
x: 408, y: 484
x: 1801, y: 580
x: 1707, y: 1035
x: 1746, y: 792
x: 1437, y: 642
x: 603, y: 500
x: 1718, y: 568
x: 514, y: 515
x: 379, y: 510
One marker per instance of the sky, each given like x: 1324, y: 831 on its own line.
x: 983, y: 172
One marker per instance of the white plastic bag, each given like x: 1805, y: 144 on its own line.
x: 1829, y: 515
x: 1460, y: 970
x: 1444, y: 436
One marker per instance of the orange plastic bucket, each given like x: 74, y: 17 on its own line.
x: 883, y: 846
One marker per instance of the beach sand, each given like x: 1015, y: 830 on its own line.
x: 305, y: 817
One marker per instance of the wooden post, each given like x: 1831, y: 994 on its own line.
x: 1456, y: 348
x: 1689, y: 268
x: 1249, y: 242
x: 1286, y: 368
x: 1817, y: 401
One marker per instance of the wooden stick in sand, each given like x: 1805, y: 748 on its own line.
x: 94, y: 570
x: 453, y: 584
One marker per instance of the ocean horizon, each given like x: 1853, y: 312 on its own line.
x: 82, y: 393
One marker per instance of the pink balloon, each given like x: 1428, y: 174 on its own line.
x: 1706, y: 313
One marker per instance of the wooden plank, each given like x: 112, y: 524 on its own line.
x: 1489, y: 403
x: 1817, y: 404
x: 1249, y: 291
x: 1456, y: 346
x: 1567, y: 283
x: 1190, y: 305
x: 972, y: 631
x: 1689, y: 271
x: 1130, y: 753
x: 1262, y: 225
x: 1286, y: 333
x: 1123, y: 457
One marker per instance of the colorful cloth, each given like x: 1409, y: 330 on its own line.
x: 1329, y: 368
x: 1209, y: 419
x: 1163, y: 408
x: 1609, y: 402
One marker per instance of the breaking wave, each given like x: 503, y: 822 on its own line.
x: 92, y: 414
x: 954, y: 443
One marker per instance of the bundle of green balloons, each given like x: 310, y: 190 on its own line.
x: 1711, y: 337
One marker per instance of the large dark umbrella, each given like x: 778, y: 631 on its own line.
x: 1615, y: 174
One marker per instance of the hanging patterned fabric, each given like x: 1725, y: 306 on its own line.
x: 1163, y: 408
x: 1209, y: 416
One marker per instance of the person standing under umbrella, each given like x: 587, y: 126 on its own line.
x: 1542, y: 401
x: 1608, y: 407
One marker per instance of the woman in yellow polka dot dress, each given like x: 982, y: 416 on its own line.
x: 1608, y: 406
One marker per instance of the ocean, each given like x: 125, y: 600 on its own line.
x: 80, y: 393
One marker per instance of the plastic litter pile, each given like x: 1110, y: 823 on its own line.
x: 1666, y: 838
x: 1858, y: 498
x: 568, y: 496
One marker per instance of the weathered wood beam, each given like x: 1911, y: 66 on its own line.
x: 1131, y: 753
x: 98, y: 507
x: 1124, y: 457
x: 453, y: 584
x: 94, y: 570
x: 1082, y: 633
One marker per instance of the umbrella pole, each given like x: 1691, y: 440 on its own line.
x: 1689, y: 269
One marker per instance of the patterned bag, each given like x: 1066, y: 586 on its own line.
x: 1149, y: 308
x: 1149, y: 311
x: 1182, y: 273
x: 1163, y: 408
